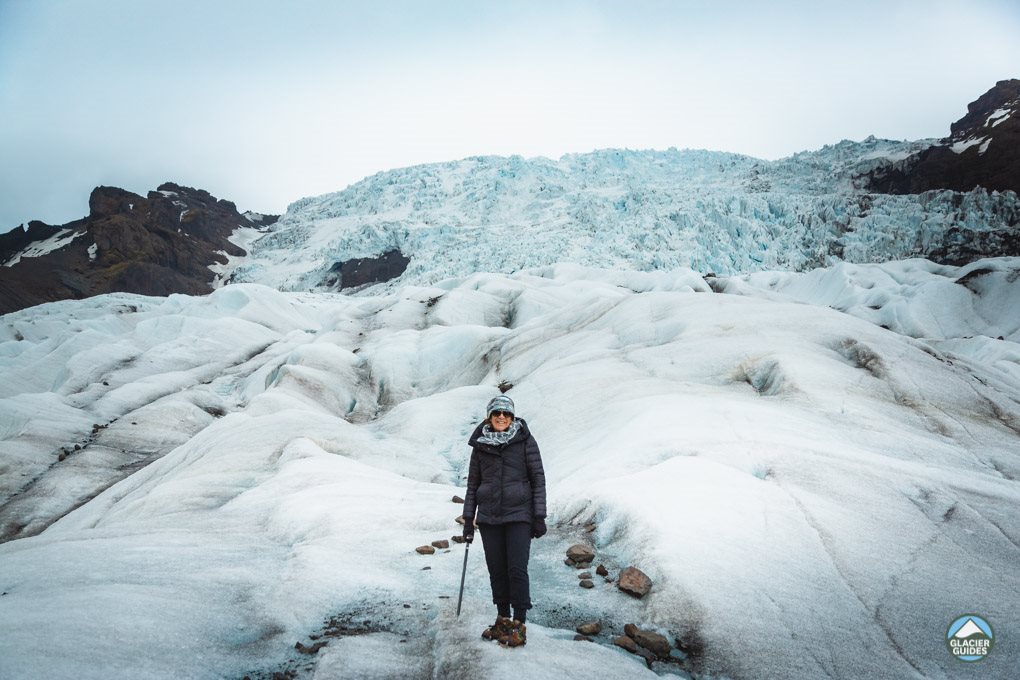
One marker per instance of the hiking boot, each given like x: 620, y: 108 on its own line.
x: 499, y: 631
x: 518, y: 635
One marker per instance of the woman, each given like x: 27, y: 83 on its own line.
x: 506, y: 485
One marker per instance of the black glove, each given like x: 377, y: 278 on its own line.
x: 538, y: 527
x: 469, y: 530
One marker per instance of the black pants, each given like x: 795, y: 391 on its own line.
x: 507, y: 547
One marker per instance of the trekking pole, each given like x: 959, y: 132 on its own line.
x: 463, y: 571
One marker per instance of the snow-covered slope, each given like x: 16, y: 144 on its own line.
x: 644, y: 210
x: 812, y: 494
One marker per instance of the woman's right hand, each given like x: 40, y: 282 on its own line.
x: 469, y: 530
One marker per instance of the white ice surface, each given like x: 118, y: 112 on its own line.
x: 813, y: 495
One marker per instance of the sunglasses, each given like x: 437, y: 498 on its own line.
x: 502, y: 414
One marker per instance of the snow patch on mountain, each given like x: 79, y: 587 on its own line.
x: 59, y: 240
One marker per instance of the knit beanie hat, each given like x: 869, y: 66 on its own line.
x: 500, y: 403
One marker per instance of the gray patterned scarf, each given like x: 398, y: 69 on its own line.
x: 490, y: 436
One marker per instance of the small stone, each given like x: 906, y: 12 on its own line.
x: 441, y: 544
x: 630, y: 630
x: 583, y: 565
x: 457, y: 539
x: 579, y: 552
x: 585, y: 638
x: 653, y: 642
x: 590, y: 628
x: 459, y: 520
x: 425, y: 550
x: 634, y: 582
x: 407, y: 606
x: 626, y: 643
x: 458, y: 499
x: 590, y: 527
x: 77, y: 447
x: 587, y: 583
x: 584, y: 574
x: 311, y: 649
x: 426, y: 568
x: 569, y: 562
x: 601, y: 570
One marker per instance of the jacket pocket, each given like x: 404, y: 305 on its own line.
x: 519, y: 495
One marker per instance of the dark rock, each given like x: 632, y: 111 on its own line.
x: 653, y: 642
x: 584, y: 574
x: 586, y: 583
x: 590, y: 628
x: 630, y: 630
x: 627, y: 643
x: 579, y: 553
x: 457, y: 539
x: 585, y: 638
x: 458, y: 499
x: 634, y: 582
x: 582, y: 565
x: 426, y: 568
x: 310, y: 649
x: 156, y: 245
x: 364, y: 270
x: 601, y: 570
x: 991, y: 161
x: 589, y: 527
x: 442, y: 544
x: 425, y: 550
x: 459, y: 520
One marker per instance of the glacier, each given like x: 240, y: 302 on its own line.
x: 712, y: 212
x: 813, y: 494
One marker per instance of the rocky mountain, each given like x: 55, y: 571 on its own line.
x: 982, y: 149
x: 159, y: 244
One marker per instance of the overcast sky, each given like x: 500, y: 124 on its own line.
x: 263, y: 103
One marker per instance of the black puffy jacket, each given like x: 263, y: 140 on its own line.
x: 505, y: 483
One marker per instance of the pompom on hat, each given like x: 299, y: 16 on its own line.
x: 500, y: 403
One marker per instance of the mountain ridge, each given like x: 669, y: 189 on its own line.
x: 159, y: 244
